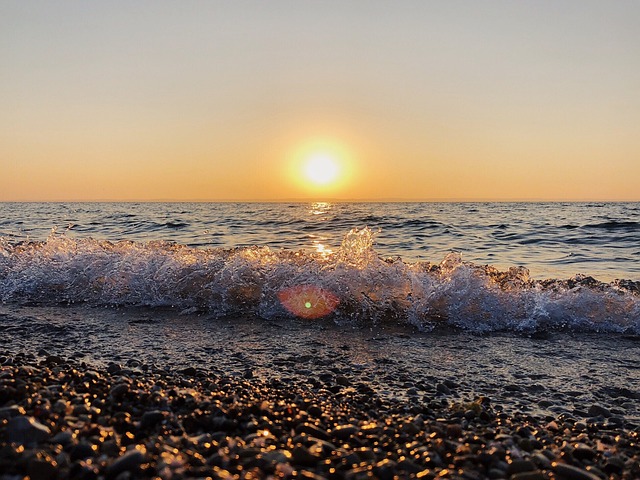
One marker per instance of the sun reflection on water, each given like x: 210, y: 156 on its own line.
x: 320, y: 208
x: 318, y: 213
x: 322, y: 249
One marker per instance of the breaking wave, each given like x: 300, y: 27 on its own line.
x: 354, y: 283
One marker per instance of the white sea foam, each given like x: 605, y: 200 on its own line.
x: 370, y: 289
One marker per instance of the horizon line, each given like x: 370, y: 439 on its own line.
x: 333, y: 200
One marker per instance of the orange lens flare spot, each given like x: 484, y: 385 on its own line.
x: 308, y: 301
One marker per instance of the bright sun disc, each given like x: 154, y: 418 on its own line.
x: 321, y: 169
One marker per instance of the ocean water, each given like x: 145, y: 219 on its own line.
x: 478, y: 267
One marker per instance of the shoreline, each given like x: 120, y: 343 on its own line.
x: 188, y: 395
x: 61, y: 419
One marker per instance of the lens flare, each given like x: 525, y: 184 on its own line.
x: 308, y: 301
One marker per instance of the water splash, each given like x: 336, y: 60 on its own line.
x: 356, y: 285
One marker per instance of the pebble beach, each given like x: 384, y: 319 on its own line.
x: 300, y: 400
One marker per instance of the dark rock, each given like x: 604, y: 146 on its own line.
x: 81, y: 451
x: 53, y: 360
x: 118, y: 391
x: 189, y: 372
x: 41, y: 469
x: 129, y: 462
x: 519, y: 466
x: 597, y: 410
x: 442, y: 388
x: 569, y: 472
x: 534, y: 475
x: 315, y: 411
x: 302, y: 456
x: 277, y: 456
x: 63, y: 438
x: 614, y: 464
x: 26, y: 431
x: 541, y: 460
x: 385, y: 469
x: 454, y: 430
x: 312, y: 430
x: 582, y: 451
x: 151, y: 419
x: 343, y: 432
x: 306, y: 474
x: 409, y: 466
x: 11, y: 411
x: 114, y: 368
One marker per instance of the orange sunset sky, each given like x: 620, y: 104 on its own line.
x: 395, y: 100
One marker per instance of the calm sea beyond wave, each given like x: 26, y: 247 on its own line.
x: 320, y: 341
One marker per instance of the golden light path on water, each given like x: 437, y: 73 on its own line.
x: 311, y: 301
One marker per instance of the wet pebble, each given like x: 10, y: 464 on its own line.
x: 129, y: 462
x: 569, y: 472
x: 26, y: 431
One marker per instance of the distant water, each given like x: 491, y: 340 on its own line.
x: 476, y: 266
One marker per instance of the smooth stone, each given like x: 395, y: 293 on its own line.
x: 614, y: 464
x: 10, y: 412
x: 534, y: 475
x: 63, y: 438
x: 326, y: 446
x: 306, y: 474
x: 131, y: 460
x: 409, y: 466
x: 596, y: 410
x: 495, y: 473
x: 519, y: 466
x: 365, y: 454
x: 81, y: 451
x: 41, y: 469
x: 541, y: 460
x: 442, y: 388
x: 312, y: 430
x: 189, y: 371
x: 385, y: 469
x: 151, y: 419
x: 572, y: 473
x: 454, y: 430
x: 314, y: 411
x: 26, y: 431
x: 343, y: 432
x: 582, y: 451
x: 119, y: 390
x: 580, y: 426
x: 114, y: 368
x: 302, y: 456
x: 54, y: 360
x: 277, y: 456
x: 411, y: 428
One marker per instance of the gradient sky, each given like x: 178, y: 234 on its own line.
x: 421, y: 100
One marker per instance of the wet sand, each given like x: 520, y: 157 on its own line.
x: 144, y: 394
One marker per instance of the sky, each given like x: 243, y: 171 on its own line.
x: 410, y: 100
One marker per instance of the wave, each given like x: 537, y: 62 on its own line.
x: 614, y: 225
x: 353, y: 284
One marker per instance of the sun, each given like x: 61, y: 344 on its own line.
x: 321, y: 169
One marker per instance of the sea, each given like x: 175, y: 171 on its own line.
x: 478, y: 267
x: 534, y: 305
